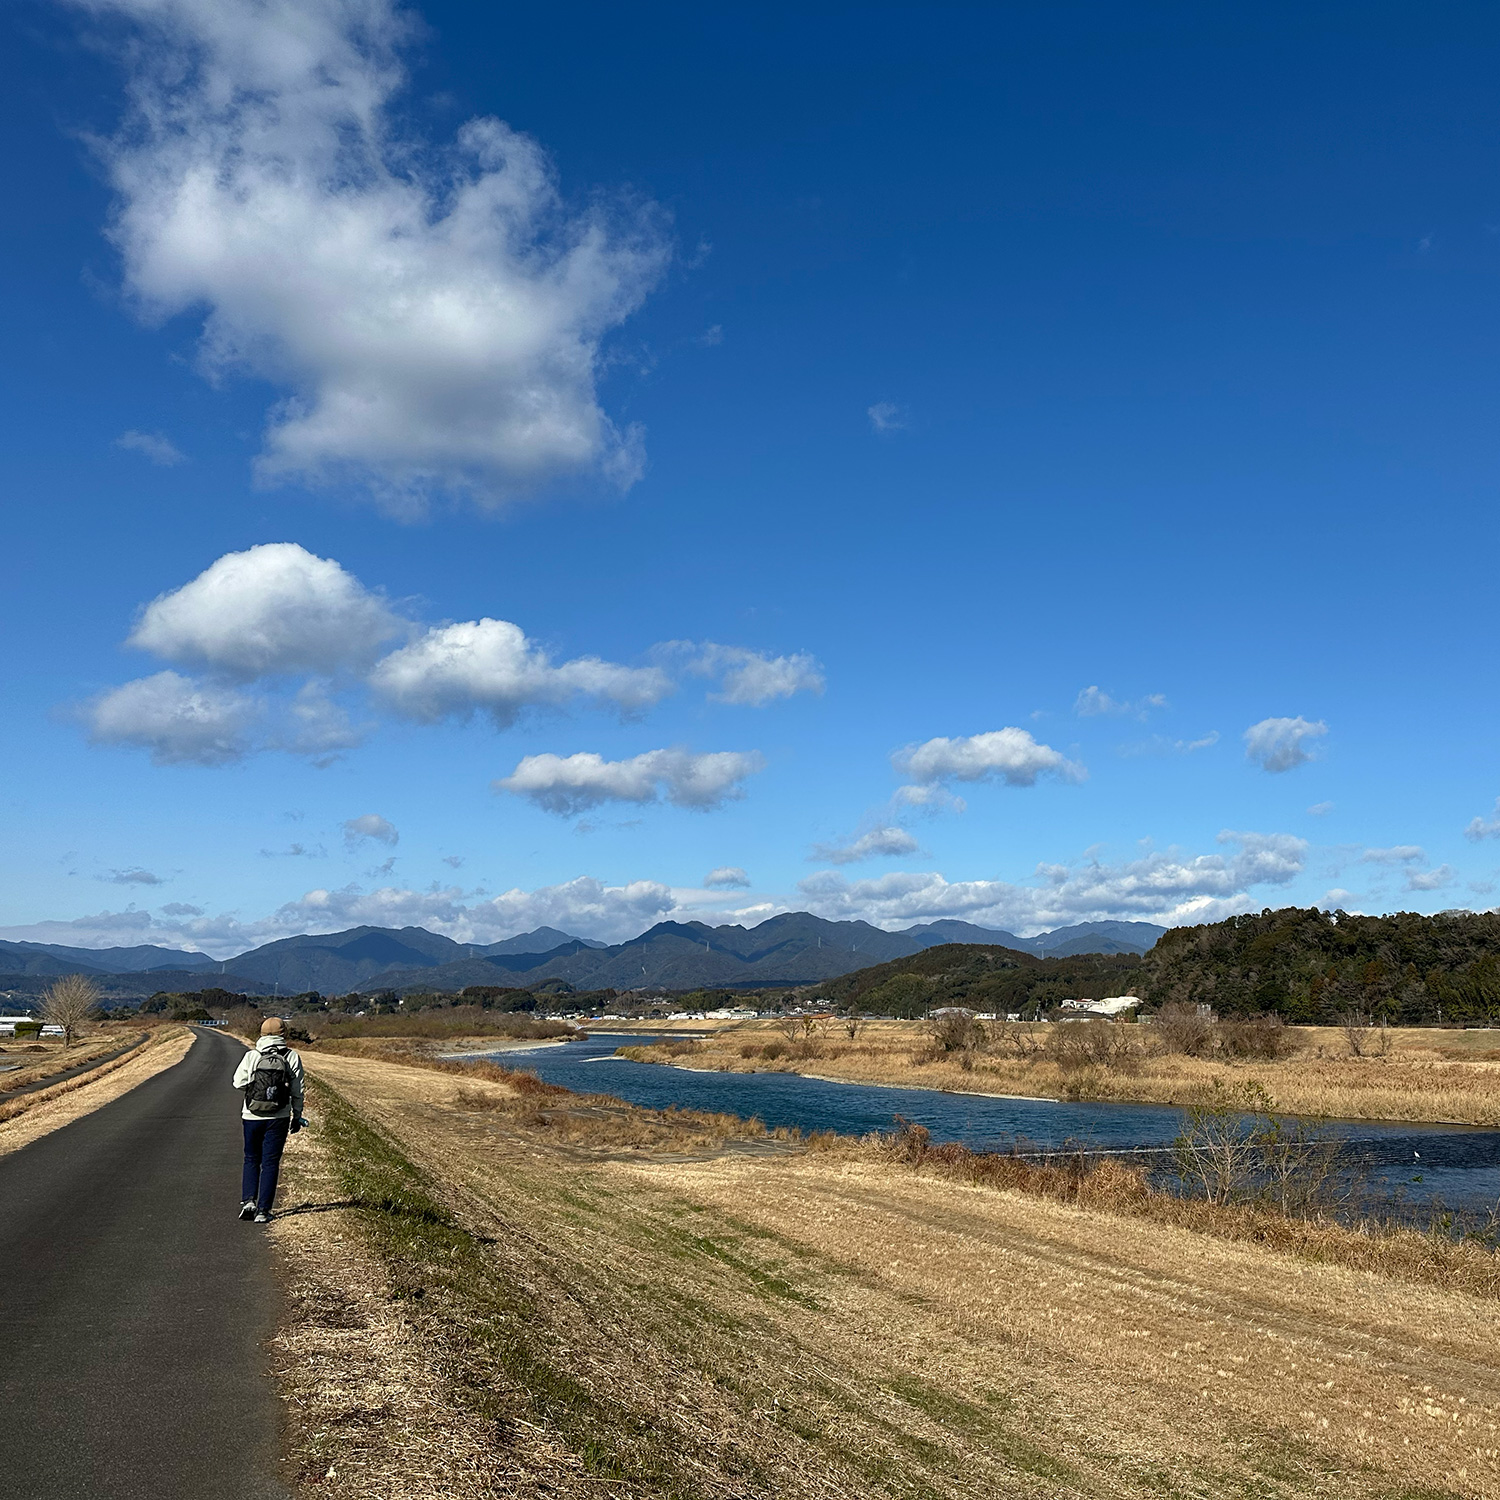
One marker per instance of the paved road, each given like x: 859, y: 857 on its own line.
x: 135, y: 1305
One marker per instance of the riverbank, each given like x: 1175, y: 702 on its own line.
x: 1430, y: 1076
x: 568, y: 1298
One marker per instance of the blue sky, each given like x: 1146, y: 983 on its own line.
x: 1025, y: 464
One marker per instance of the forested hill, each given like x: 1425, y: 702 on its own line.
x: 1305, y: 966
x: 981, y: 977
x: 1316, y: 966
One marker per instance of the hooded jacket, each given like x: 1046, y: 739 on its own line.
x: 247, y: 1067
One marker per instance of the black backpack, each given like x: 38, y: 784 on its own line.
x: 270, y: 1088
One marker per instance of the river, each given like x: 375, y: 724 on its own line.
x: 1414, y: 1165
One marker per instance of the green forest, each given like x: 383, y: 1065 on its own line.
x: 1315, y: 966
x: 1306, y: 966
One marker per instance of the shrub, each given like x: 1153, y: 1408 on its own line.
x: 1082, y: 1044
x: 1264, y: 1038
x: 1184, y: 1028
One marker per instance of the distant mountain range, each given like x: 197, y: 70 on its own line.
x: 794, y: 948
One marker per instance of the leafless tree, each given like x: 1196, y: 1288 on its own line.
x: 1183, y: 1027
x: 853, y: 1024
x: 69, y: 1002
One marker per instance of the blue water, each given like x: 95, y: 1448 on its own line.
x: 1418, y: 1164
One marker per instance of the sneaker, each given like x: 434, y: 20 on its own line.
x: 262, y: 1217
x: 247, y: 1208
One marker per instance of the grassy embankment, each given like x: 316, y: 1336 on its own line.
x: 24, y: 1119
x: 519, y: 1292
x: 1430, y: 1075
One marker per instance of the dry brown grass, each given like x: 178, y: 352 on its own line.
x: 34, y: 1115
x: 837, y: 1324
x: 1429, y: 1075
x: 370, y: 1398
x: 39, y: 1061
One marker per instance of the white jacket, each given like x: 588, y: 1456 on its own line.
x: 247, y: 1067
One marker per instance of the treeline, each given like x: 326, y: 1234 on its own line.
x: 980, y: 978
x: 1315, y: 967
x: 1308, y: 967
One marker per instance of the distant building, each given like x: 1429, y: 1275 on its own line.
x: 1111, y: 1005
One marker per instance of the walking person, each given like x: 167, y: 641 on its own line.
x: 270, y: 1078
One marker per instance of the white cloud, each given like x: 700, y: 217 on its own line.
x: 754, y: 679
x: 162, y: 451
x: 1009, y: 755
x: 573, y: 783
x: 584, y: 906
x: 878, y: 843
x: 1338, y: 899
x: 746, y: 678
x: 272, y: 609
x: 487, y: 664
x: 1092, y: 703
x: 317, y: 727
x: 928, y: 799
x: 726, y: 878
x: 1430, y: 880
x: 1278, y: 745
x: 370, y: 826
x: 181, y: 722
x: 134, y: 876
x: 1397, y: 854
x: 435, y: 315
x: 886, y: 416
x: 1162, y: 886
x: 1320, y: 809
x: 1484, y: 828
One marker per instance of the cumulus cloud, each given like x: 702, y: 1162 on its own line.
x: 746, y: 678
x: 1009, y: 755
x: 877, y: 843
x: 1164, y: 886
x: 272, y: 609
x: 369, y: 826
x: 1430, y: 880
x: 180, y: 721
x: 753, y: 679
x: 1093, y: 703
x: 1278, y: 745
x: 1484, y: 828
x: 1397, y: 854
x: 152, y: 445
x: 490, y: 665
x: 315, y: 726
x: 1337, y: 899
x: 726, y: 878
x: 573, y: 783
x: 886, y: 416
x: 133, y: 876
x: 435, y: 316
x: 929, y: 800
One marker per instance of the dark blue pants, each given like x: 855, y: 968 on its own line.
x: 264, y: 1142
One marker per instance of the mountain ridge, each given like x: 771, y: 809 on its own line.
x: 790, y: 948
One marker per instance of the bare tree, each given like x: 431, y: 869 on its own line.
x: 853, y: 1024
x: 69, y: 1002
x: 1182, y: 1027
x: 1365, y: 1037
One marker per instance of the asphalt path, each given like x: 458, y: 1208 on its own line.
x: 136, y: 1306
